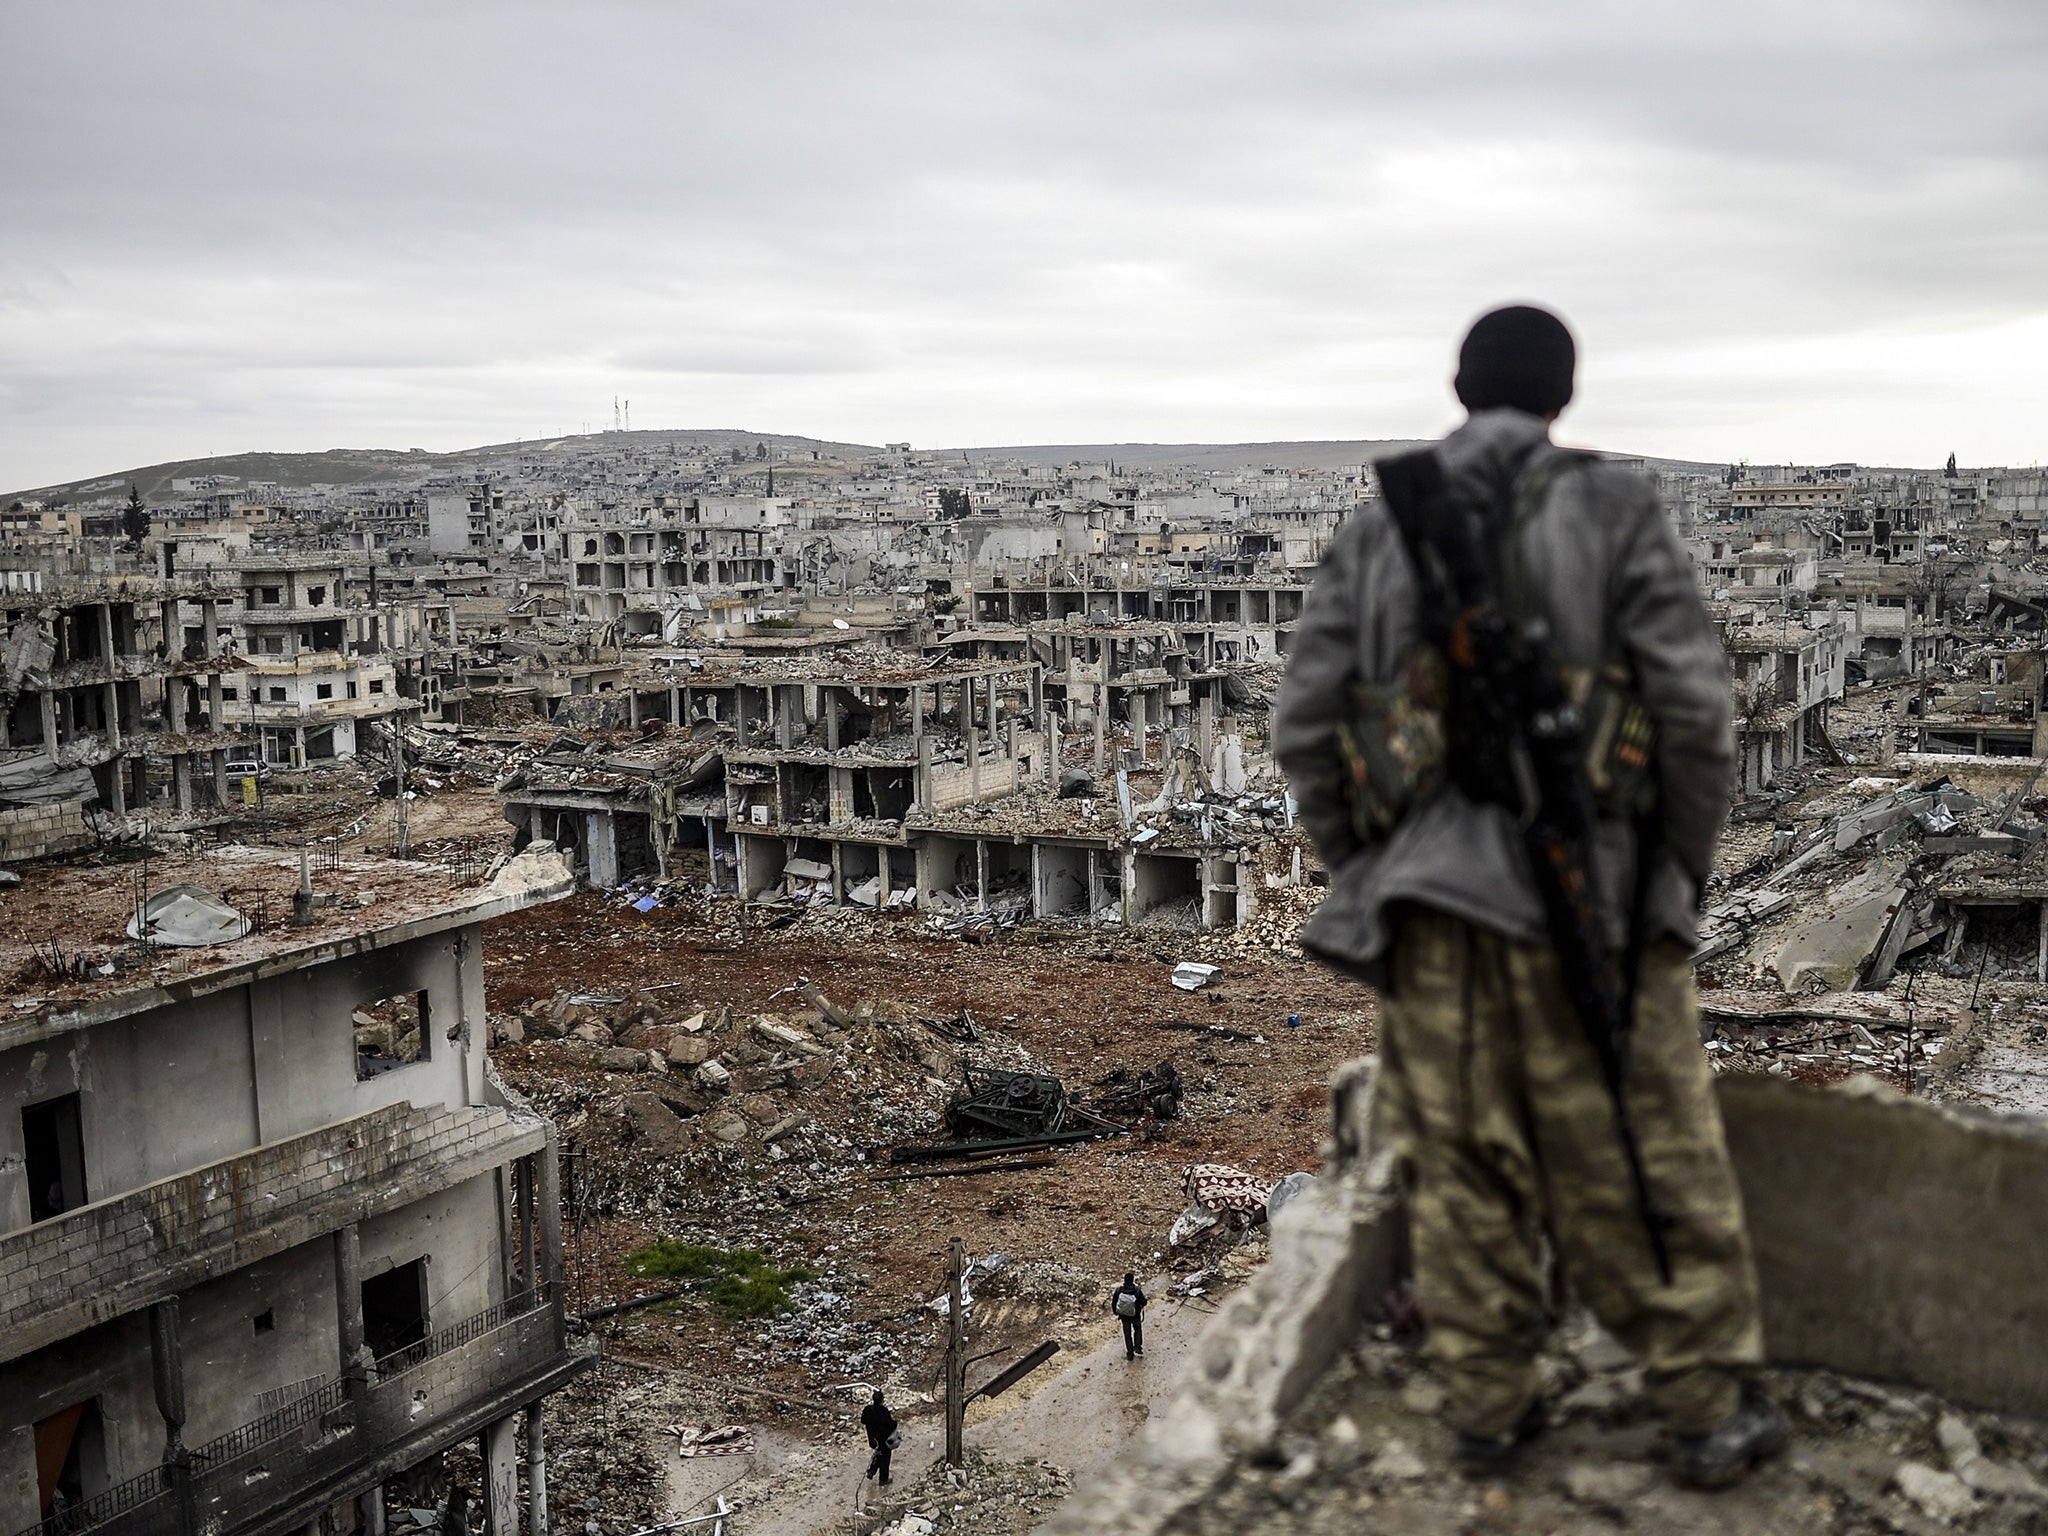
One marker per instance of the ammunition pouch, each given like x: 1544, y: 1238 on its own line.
x: 1395, y: 745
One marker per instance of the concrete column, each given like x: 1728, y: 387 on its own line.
x: 522, y: 1180
x: 167, y: 1372
x: 47, y: 701
x: 882, y: 869
x: 1205, y: 727
x: 505, y: 1189
x: 110, y: 706
x: 499, y: 1451
x: 1101, y: 695
x: 973, y: 760
x: 831, y: 713
x: 917, y: 714
x: 548, y: 1197
x: 980, y: 875
x: 117, y: 789
x: 348, y: 1297
x: 370, y: 1511
x: 633, y: 708
x: 838, y: 875
x: 536, y: 1471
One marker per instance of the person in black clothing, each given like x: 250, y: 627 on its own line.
x: 1128, y: 1303
x: 880, y: 1424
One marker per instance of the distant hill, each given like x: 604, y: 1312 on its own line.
x: 1216, y: 457
x: 360, y: 468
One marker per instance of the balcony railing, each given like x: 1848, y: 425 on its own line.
x: 334, y: 1429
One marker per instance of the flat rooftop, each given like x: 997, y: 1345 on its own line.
x: 68, y: 961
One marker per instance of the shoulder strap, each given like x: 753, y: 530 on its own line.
x: 1528, y: 496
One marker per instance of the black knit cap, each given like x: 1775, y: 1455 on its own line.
x: 1519, y: 356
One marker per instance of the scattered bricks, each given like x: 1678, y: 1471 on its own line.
x: 618, y: 1058
x: 759, y: 1079
x: 683, y: 1100
x: 812, y: 1072
x: 784, y: 1126
x: 785, y: 1037
x: 688, y: 1051
x: 508, y: 1030
x: 838, y: 1017
x: 655, y: 1126
x: 759, y: 1108
x: 725, y: 1126
x: 592, y: 1032
x: 713, y: 1076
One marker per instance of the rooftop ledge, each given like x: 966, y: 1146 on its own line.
x: 77, y: 916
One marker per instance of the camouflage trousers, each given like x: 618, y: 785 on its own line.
x: 1493, y: 1099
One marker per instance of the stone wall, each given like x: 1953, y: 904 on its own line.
x: 39, y: 831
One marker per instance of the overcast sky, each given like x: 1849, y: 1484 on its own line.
x: 1784, y: 230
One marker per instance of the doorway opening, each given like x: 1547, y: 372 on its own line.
x: 395, y: 1309
x: 54, y: 1154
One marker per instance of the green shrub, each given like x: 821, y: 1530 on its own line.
x: 740, y: 1282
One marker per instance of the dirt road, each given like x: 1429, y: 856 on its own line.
x: 1087, y: 1409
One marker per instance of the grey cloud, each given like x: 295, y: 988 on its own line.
x: 985, y: 222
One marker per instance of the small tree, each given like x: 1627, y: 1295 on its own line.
x: 134, y: 518
x: 760, y: 451
x: 953, y: 503
x: 1950, y: 472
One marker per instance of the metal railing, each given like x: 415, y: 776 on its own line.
x: 274, y: 1425
x: 399, y: 1361
x: 288, y: 1408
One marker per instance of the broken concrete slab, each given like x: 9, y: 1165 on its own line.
x: 1826, y: 952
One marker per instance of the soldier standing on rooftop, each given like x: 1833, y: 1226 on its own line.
x: 1491, y: 1075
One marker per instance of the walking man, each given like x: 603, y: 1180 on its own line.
x: 1527, y: 912
x: 883, y: 1437
x: 1127, y: 1301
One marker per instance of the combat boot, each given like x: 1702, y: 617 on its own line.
x: 1723, y: 1456
x: 1484, y: 1456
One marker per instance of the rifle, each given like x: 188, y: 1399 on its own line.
x: 1516, y: 740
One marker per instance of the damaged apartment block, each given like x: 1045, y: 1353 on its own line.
x: 271, y: 1233
x: 867, y: 782
x: 104, y: 706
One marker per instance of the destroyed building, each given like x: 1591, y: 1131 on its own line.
x: 320, y: 661
x: 859, y: 781
x: 271, y: 1233
x: 107, y: 704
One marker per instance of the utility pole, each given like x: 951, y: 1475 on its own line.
x: 956, y: 1357
x: 404, y: 849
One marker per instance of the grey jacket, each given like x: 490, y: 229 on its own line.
x: 1615, y: 583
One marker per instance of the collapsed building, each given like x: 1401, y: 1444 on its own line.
x: 934, y: 788
x: 107, y: 704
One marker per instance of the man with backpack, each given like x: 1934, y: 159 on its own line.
x: 883, y: 1438
x: 1506, y: 720
x: 1127, y: 1301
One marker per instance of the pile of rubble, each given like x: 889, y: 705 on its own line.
x: 982, y: 1497
x: 1369, y: 1451
x: 700, y: 1082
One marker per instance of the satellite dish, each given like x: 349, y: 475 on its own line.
x: 841, y: 624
